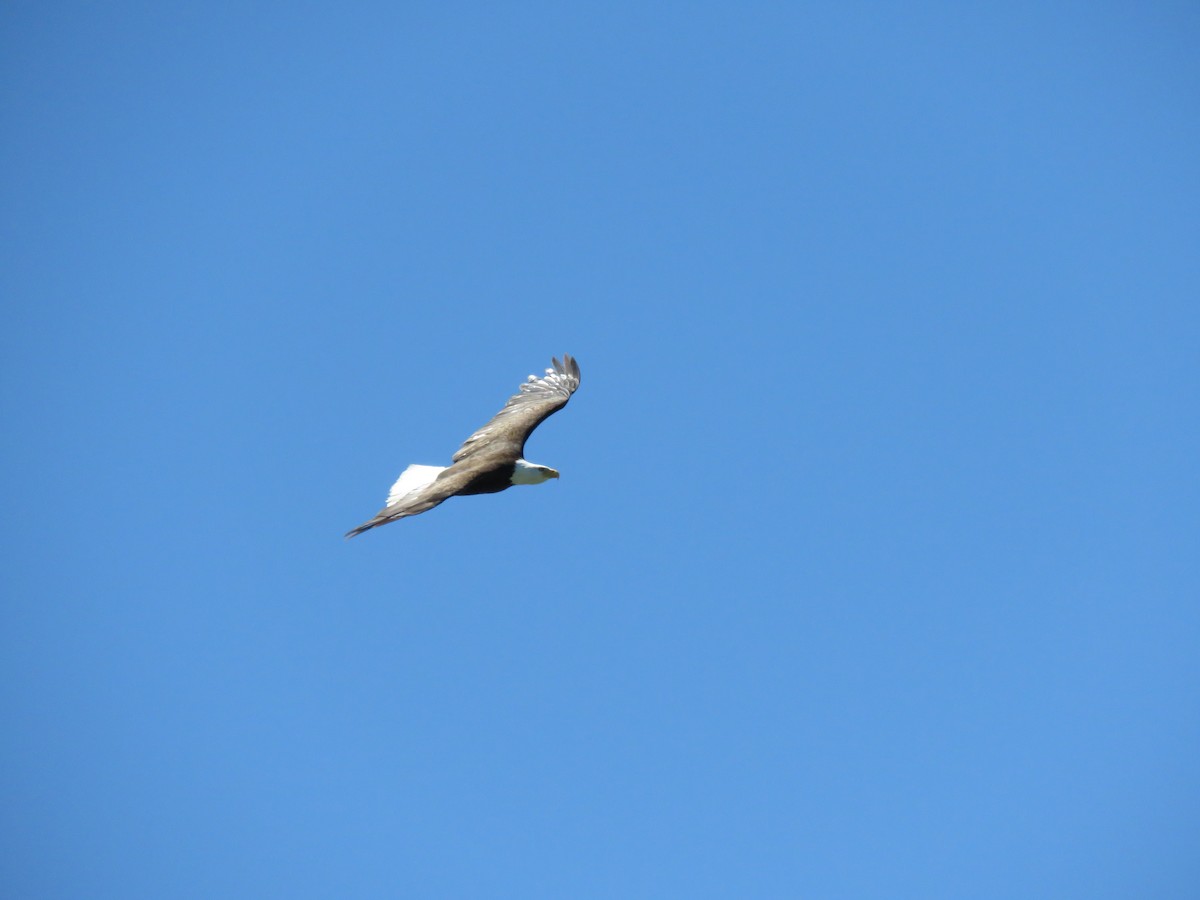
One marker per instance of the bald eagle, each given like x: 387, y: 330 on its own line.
x: 491, y: 459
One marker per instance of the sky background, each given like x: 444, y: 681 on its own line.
x: 873, y: 570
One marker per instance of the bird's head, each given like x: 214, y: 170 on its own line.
x: 526, y: 472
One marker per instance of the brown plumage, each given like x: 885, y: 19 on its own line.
x: 490, y: 460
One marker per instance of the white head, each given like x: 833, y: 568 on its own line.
x: 531, y: 473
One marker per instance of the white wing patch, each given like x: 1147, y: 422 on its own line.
x: 413, y: 479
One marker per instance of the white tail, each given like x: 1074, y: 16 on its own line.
x: 412, y: 480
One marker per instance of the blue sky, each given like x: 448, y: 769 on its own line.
x: 872, y: 570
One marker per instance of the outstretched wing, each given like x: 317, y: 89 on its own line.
x: 538, y: 398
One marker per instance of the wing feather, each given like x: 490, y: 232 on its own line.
x: 505, y: 434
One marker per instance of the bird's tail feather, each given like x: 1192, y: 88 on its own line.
x: 413, y: 479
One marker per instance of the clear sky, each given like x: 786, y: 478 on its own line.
x: 873, y: 570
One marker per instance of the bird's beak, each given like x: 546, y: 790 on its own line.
x: 554, y: 473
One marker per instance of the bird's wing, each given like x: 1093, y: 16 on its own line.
x: 445, y: 486
x: 538, y: 398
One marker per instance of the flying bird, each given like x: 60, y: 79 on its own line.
x: 490, y: 460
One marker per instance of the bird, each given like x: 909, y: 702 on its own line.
x: 490, y: 460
